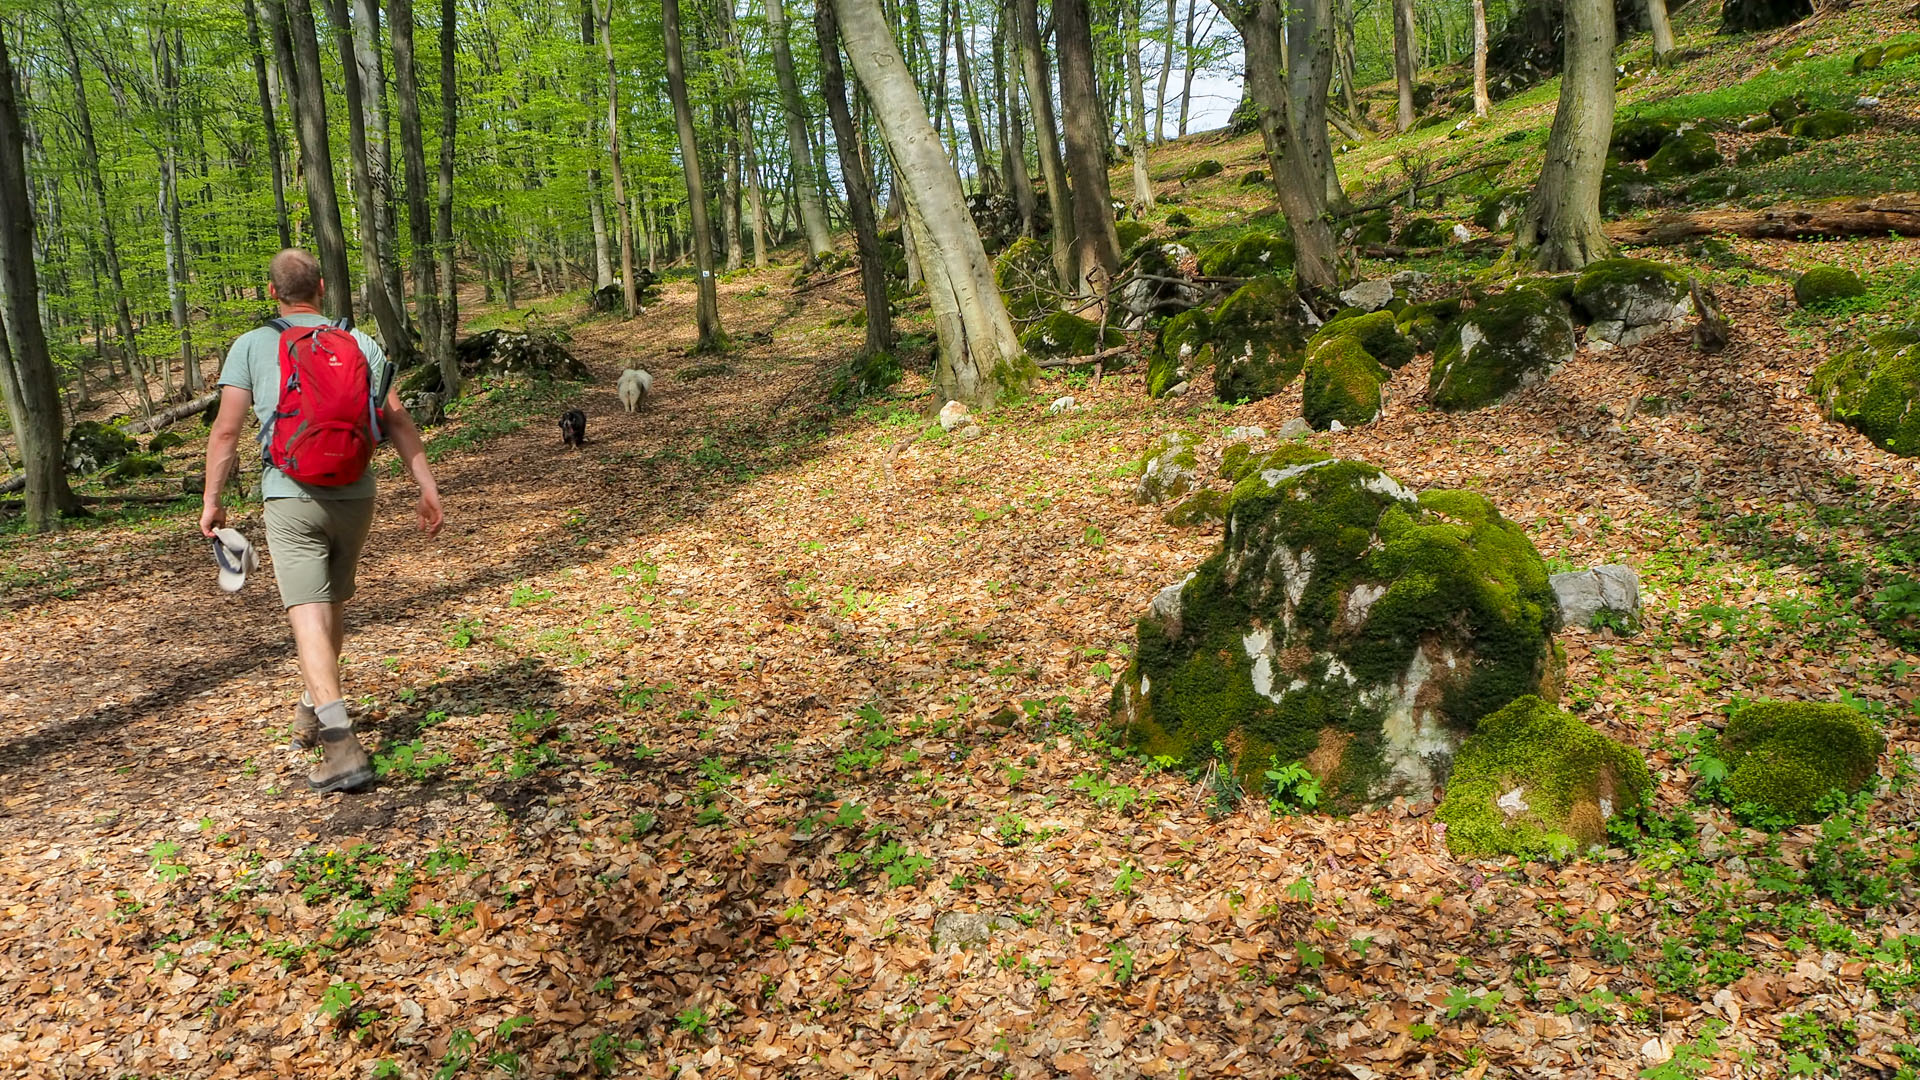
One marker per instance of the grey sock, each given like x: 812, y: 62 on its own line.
x: 306, y: 699
x: 333, y: 716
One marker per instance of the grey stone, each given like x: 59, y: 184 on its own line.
x: 1168, y: 471
x: 1296, y: 428
x: 1583, y: 594
x: 1246, y: 432
x: 964, y: 928
x: 952, y: 415
x: 1368, y: 295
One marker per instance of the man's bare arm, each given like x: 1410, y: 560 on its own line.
x: 222, y: 451
x: 413, y: 453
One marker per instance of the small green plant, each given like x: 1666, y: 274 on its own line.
x: 163, y: 867
x: 1460, y: 1001
x: 337, y: 999
x: 1123, y: 881
x: 694, y: 1021
x: 411, y: 760
x: 1690, y: 1059
x: 1094, y: 537
x: 1294, y: 788
x: 1120, y: 957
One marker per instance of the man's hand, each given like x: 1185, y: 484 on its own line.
x: 212, y: 516
x: 430, y: 515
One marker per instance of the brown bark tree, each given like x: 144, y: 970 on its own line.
x: 1046, y: 138
x: 707, y: 309
x: 1403, y: 61
x: 866, y: 232
x: 426, y: 277
x: 316, y: 155
x: 1561, y: 229
x: 1096, y: 245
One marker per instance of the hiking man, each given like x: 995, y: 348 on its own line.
x: 318, y: 491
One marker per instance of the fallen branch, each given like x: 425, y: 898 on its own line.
x: 817, y: 282
x: 174, y: 414
x: 1382, y: 204
x: 1897, y: 214
x: 1082, y: 361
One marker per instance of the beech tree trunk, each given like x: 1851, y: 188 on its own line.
x: 426, y: 277
x: 866, y: 232
x: 1013, y: 139
x: 316, y: 155
x: 166, y: 78
x: 813, y: 213
x: 373, y: 92
x: 707, y: 310
x: 1166, y: 72
x: 756, y: 197
x: 1562, y: 224
x: 1137, y: 116
x: 629, y: 288
x: 1046, y: 138
x: 1096, y: 245
x: 443, y: 214
x: 596, y: 212
x: 275, y: 152
x: 970, y: 105
x: 1309, y: 79
x: 1481, y: 102
x: 30, y: 384
x: 1662, y: 31
x: 730, y: 187
x: 1186, y: 72
x: 980, y: 358
x: 1403, y: 45
x: 369, y: 203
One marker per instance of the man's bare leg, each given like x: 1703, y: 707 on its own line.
x: 317, y: 630
x: 306, y: 723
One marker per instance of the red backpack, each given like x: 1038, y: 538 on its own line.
x: 327, y: 422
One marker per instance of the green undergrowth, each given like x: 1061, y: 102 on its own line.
x: 492, y: 408
x: 543, y: 313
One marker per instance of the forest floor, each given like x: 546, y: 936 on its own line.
x: 761, y: 738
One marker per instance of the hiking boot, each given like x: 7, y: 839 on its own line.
x: 306, y: 726
x: 343, y: 763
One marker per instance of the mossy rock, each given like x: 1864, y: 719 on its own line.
x: 1692, y: 151
x: 1344, y: 622
x: 1374, y: 228
x: 1259, y: 340
x: 1824, y: 285
x: 1421, y: 232
x: 1342, y: 384
x: 1870, y: 60
x: 1875, y: 390
x: 1770, y: 148
x: 1252, y: 255
x: 1896, y: 53
x: 1180, y: 351
x: 1208, y: 506
x: 1024, y: 273
x: 135, y: 466
x: 1627, y: 300
x: 1425, y: 324
x: 1168, y: 470
x: 92, y: 446
x: 1500, y: 211
x: 1063, y: 334
x: 1131, y: 232
x: 1377, y: 332
x: 1825, y: 124
x: 1784, y: 757
x: 1179, y: 220
x: 1254, y: 179
x: 1637, y: 138
x: 1625, y: 187
x: 1515, y: 339
x: 864, y: 376
x: 1534, y: 782
x: 1202, y: 169
x: 165, y: 441
x: 1784, y: 109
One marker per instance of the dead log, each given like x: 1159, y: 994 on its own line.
x: 1082, y: 361
x: 1890, y: 214
x: 175, y: 413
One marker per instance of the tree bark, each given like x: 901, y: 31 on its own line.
x: 373, y: 92
x: 443, y: 214
x: 730, y: 186
x: 980, y: 358
x: 813, y: 214
x: 1481, y: 102
x: 1137, y: 116
x: 1662, y: 27
x: 166, y: 77
x: 596, y: 212
x: 1166, y: 73
x: 756, y: 197
x: 707, y: 310
x: 426, y: 277
x: 1562, y: 224
x: 369, y: 199
x: 1891, y: 214
x: 1309, y: 78
x: 275, y: 152
x: 1403, y: 46
x: 629, y: 288
x: 1186, y: 73
x: 1046, y: 138
x: 970, y: 105
x: 27, y: 377
x: 1096, y: 245
x: 1013, y: 139
x: 866, y: 232
x: 310, y: 116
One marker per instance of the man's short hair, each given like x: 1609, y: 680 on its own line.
x: 296, y: 276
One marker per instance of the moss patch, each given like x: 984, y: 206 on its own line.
x: 1168, y: 470
x: 1501, y: 209
x: 1533, y: 781
x: 1342, y: 383
x: 1683, y: 155
x: 1419, y: 232
x: 1825, y: 124
x: 1784, y: 757
x: 1377, y: 332
x: 1063, y: 333
x: 1259, y: 339
x: 1638, y: 138
x: 1425, y: 324
x: 1823, y: 285
x: 1179, y: 351
x: 1024, y: 272
x: 1770, y: 148
x: 1252, y: 255
x: 1208, y: 506
x: 1131, y: 232
x: 1875, y: 390
x: 1621, y: 288
x: 1202, y: 169
x: 1508, y: 341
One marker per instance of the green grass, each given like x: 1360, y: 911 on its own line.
x: 560, y: 309
x: 489, y: 411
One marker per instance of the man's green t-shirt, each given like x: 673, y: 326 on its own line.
x: 253, y: 364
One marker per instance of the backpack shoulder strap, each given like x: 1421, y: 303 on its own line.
x: 280, y: 324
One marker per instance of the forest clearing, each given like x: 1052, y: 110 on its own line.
x: 793, y: 725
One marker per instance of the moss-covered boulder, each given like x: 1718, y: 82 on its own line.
x: 1824, y: 285
x: 1625, y: 187
x: 1500, y: 210
x: 1024, y: 272
x: 92, y: 446
x: 1896, y: 53
x: 1534, y: 782
x: 1208, y: 506
x: 1063, y: 334
x: 1425, y: 324
x: 1875, y: 390
x: 1769, y: 148
x: 1252, y: 255
x: 1627, y: 301
x: 136, y: 466
x: 1869, y: 60
x: 1168, y: 470
x: 1373, y: 228
x: 1505, y: 342
x: 1637, y: 139
x: 165, y: 441
x: 1259, y: 340
x: 1825, y: 124
x: 1179, y: 220
x: 1344, y: 622
x: 1254, y: 179
x: 1342, y: 384
x: 1784, y: 109
x: 1784, y: 757
x: 1421, y: 232
x: 1377, y: 332
x: 1202, y: 169
x: 1181, y: 350
x: 1131, y: 232
x: 1689, y: 152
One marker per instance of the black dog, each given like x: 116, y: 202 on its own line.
x: 573, y: 428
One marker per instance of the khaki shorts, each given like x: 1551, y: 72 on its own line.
x: 316, y: 544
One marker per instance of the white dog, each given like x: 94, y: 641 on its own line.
x: 635, y: 385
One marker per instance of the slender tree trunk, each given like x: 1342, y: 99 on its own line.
x: 1137, y: 133
x: 166, y: 77
x: 1344, y: 62
x: 1662, y: 31
x: 707, y: 312
x: 1310, y: 28
x: 369, y: 198
x: 813, y: 214
x: 373, y: 92
x: 730, y: 187
x: 629, y: 288
x: 316, y: 157
x: 970, y: 105
x: 426, y: 284
x: 602, y: 256
x: 1013, y: 140
x: 1562, y: 224
x: 274, y: 151
x: 1096, y: 245
x: 1186, y: 73
x: 873, y: 263
x: 756, y: 198
x: 980, y: 358
x: 443, y: 214
x: 1403, y: 46
x: 1481, y: 102
x: 1046, y: 137
x: 27, y: 378
x: 1166, y: 73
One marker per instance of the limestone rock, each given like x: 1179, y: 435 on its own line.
x: 1296, y: 428
x: 1024, y: 272
x: 1168, y: 471
x: 1368, y: 295
x: 1346, y: 622
x: 1252, y: 255
x: 952, y: 415
x: 1630, y: 300
x: 1342, y: 385
x: 1875, y: 390
x: 1513, y: 340
x: 1259, y: 338
x: 1183, y: 348
x: 964, y: 928
x: 92, y: 446
x: 1064, y: 334
x: 1063, y: 404
x: 1824, y: 285
x: 1785, y: 756
x: 1583, y: 594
